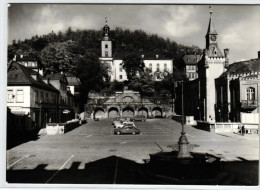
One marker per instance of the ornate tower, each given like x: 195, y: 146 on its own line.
x: 106, y: 43
x: 210, y: 67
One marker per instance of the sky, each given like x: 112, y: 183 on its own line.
x: 238, y: 26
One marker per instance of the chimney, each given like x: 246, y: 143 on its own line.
x: 21, y: 56
x: 258, y: 54
x: 157, y: 56
x: 142, y: 56
x: 68, y: 88
x: 14, y: 59
x: 61, y: 72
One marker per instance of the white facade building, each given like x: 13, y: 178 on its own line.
x: 156, y: 64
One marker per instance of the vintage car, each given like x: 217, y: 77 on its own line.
x: 127, y: 129
x: 140, y: 118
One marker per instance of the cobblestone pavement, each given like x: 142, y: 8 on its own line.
x: 94, y: 146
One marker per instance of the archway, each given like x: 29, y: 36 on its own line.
x: 99, y: 113
x: 157, y: 112
x: 113, y: 112
x: 143, y: 111
x: 128, y: 112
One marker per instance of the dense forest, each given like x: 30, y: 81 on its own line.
x: 78, y: 51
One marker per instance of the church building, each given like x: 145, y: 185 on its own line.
x: 156, y: 63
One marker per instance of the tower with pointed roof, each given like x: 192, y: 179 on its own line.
x: 210, y: 67
x: 106, y: 43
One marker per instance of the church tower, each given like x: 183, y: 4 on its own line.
x: 106, y: 43
x: 210, y: 67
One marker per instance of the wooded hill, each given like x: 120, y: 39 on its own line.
x: 78, y: 52
x: 58, y: 50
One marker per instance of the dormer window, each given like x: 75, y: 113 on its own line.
x: 106, y: 46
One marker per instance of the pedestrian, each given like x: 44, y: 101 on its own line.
x: 243, y: 130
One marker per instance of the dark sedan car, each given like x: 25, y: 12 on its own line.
x: 127, y: 129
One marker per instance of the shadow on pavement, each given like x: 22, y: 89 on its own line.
x: 117, y: 170
x: 18, y: 138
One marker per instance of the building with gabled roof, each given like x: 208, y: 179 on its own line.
x: 191, y: 62
x: 30, y: 99
x: 66, y: 98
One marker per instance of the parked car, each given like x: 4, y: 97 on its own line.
x: 119, y: 125
x: 140, y: 118
x: 127, y: 129
x: 129, y: 123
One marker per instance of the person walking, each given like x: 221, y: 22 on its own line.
x: 243, y: 130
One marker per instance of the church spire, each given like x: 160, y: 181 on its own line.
x: 106, y: 30
x: 211, y: 39
x: 211, y: 28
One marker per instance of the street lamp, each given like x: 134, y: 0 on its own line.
x: 184, y: 152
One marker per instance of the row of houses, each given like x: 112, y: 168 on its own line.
x: 34, y: 99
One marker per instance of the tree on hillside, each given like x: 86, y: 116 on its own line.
x: 170, y: 80
x: 143, y: 83
x: 132, y: 64
x: 61, y: 56
x: 92, y: 74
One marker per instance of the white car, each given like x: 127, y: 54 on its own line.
x: 129, y: 123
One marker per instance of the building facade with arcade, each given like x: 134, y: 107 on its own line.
x: 128, y: 104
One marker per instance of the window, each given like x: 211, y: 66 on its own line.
x: 250, y: 93
x: 120, y: 76
x: 150, y: 66
x: 157, y: 67
x: 106, y: 54
x: 54, y: 99
x: 165, y: 67
x: 47, y: 97
x: 36, y: 95
x: 41, y: 97
x: 106, y: 46
x: 10, y: 95
x: 19, y: 96
x: 120, y: 67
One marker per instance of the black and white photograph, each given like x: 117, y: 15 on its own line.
x: 131, y: 95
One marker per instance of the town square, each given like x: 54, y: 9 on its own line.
x: 160, y: 95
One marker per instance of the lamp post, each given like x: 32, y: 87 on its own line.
x: 184, y: 152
